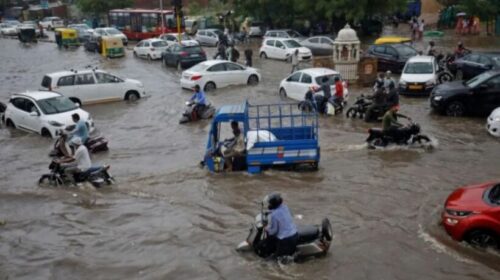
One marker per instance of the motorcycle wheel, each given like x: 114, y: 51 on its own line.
x: 351, y: 113
x: 378, y: 143
x: 445, y: 77
x: 421, y: 139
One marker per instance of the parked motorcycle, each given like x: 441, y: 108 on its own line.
x: 359, y: 107
x: 97, y: 176
x: 191, y: 116
x: 314, y: 240
x: 409, y: 134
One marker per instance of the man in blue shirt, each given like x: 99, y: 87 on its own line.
x: 281, y: 226
x: 200, y: 102
x: 81, y: 129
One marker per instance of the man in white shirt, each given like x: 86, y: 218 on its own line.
x: 81, y: 158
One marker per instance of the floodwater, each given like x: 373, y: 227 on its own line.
x: 168, y: 219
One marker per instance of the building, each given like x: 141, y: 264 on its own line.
x: 430, y: 11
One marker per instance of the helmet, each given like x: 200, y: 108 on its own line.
x: 196, y: 87
x: 273, y: 201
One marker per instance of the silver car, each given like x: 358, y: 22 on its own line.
x: 208, y: 37
x: 284, y: 33
x: 319, y: 45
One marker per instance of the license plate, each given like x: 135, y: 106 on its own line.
x: 415, y: 87
x: 194, y: 55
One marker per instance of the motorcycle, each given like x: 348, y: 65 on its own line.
x: 190, y: 115
x: 444, y: 73
x: 376, y: 113
x: 409, y: 134
x: 321, y: 105
x: 97, y: 176
x: 314, y: 240
x: 94, y: 144
x: 359, y: 107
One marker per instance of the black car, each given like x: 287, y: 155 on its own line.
x: 391, y: 57
x: 183, y: 55
x: 478, y: 96
x: 474, y: 64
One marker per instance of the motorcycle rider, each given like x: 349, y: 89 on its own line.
x: 281, y: 229
x: 79, y: 162
x: 380, y: 79
x: 62, y: 146
x: 388, y: 80
x: 390, y: 124
x: 81, y: 131
x: 379, y: 100
x: 392, y: 96
x: 431, y: 51
x: 460, y: 51
x: 339, y: 91
x: 235, y: 147
x: 199, y: 100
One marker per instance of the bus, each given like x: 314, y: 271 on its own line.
x: 139, y: 24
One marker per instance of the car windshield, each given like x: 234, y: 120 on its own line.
x: 188, y: 23
x: 496, y: 59
x: 192, y: 49
x: 476, y: 81
x: 331, y: 79
x: 494, y: 194
x: 200, y: 67
x: 418, y: 68
x: 405, y: 51
x: 56, y: 105
x: 113, y: 31
x: 293, y: 34
x: 291, y: 44
x: 159, y: 44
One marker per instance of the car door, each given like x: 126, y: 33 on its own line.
x: 213, y: 39
x: 269, y: 48
x: 280, y: 50
x: 391, y: 58
x: 293, y: 86
x: 65, y: 85
x: 488, y: 95
x: 305, y: 82
x: 87, y: 90
x: 19, y: 112
x: 167, y: 55
x: 217, y: 73
x: 138, y: 48
x: 111, y: 87
x: 236, y: 73
x: 32, y: 122
x: 201, y: 37
x: 379, y: 53
x: 313, y: 44
x: 326, y: 46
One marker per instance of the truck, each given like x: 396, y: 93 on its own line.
x: 276, y: 135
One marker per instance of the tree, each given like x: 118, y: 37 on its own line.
x: 97, y: 7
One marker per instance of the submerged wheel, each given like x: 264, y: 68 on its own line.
x: 351, y: 113
x: 253, y: 80
x: 283, y: 93
x: 483, y: 239
x: 263, y: 55
x: 132, y: 96
x: 10, y: 123
x: 421, y: 139
x: 326, y: 229
x: 455, y: 109
x: 210, y: 86
x: 445, y: 77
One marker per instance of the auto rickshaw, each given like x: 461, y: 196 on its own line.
x: 67, y: 37
x: 392, y: 40
x: 111, y: 47
x: 26, y: 34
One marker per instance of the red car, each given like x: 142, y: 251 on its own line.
x: 472, y: 214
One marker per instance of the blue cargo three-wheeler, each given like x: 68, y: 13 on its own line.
x: 275, y: 135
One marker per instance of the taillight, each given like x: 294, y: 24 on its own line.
x: 195, y: 77
x: 183, y: 54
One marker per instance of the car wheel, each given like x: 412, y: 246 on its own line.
x: 253, y: 80
x: 210, y: 86
x: 483, y: 239
x: 10, y: 123
x: 263, y: 55
x: 135, y: 54
x: 76, y: 101
x: 46, y: 133
x: 132, y: 96
x: 455, y: 109
x: 459, y: 75
x: 282, y: 93
x: 150, y: 58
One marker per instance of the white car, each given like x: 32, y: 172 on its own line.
x: 50, y: 23
x: 43, y: 112
x: 284, y: 34
x: 419, y: 76
x: 93, y: 86
x: 493, y: 123
x: 297, y: 84
x: 283, y: 49
x: 172, y: 38
x: 111, y: 32
x: 8, y: 29
x: 213, y: 74
x: 150, y: 48
x: 208, y: 37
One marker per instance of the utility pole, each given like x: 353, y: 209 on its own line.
x: 178, y: 14
x: 162, y: 17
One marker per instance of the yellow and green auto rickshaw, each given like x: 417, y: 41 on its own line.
x: 66, y: 37
x: 392, y: 40
x: 111, y: 47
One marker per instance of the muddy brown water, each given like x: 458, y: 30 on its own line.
x: 167, y: 219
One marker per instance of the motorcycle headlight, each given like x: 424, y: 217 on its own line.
x: 56, y: 124
x: 437, y: 98
x: 458, y: 213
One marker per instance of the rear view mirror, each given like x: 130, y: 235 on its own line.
x: 484, y: 86
x: 34, y: 114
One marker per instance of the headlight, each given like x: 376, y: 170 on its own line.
x: 458, y: 213
x: 496, y: 119
x: 402, y: 83
x: 437, y: 98
x: 56, y: 124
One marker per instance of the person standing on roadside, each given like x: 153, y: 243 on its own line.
x: 421, y: 27
x: 295, y: 61
x: 248, y: 57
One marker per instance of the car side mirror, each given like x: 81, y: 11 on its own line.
x: 34, y: 114
x: 77, y: 105
x: 484, y: 86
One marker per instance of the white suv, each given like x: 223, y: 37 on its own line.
x: 43, y: 112
x: 93, y: 86
x: 283, y: 49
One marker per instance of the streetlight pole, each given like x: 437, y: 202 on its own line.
x: 162, y: 17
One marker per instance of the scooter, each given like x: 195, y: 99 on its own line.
x: 97, y: 176
x: 94, y: 144
x: 190, y: 115
x: 359, y: 107
x: 409, y: 134
x: 314, y: 240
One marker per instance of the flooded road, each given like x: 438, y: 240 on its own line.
x: 168, y: 219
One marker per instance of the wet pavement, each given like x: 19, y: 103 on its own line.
x: 168, y: 219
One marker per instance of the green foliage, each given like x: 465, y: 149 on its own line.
x: 97, y: 7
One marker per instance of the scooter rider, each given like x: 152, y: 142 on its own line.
x: 339, y: 91
x: 390, y: 124
x: 200, y: 101
x: 310, y: 98
x: 281, y: 227
x: 81, y: 131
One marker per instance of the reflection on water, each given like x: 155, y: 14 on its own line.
x: 168, y: 219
